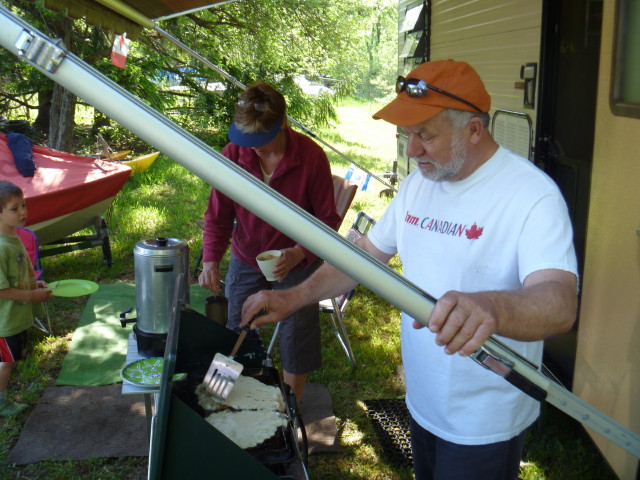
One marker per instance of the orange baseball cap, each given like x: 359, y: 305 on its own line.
x: 457, y: 78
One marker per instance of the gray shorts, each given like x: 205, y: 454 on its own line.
x: 299, y: 334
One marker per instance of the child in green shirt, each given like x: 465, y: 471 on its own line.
x: 18, y: 291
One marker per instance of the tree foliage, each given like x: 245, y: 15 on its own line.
x: 347, y: 44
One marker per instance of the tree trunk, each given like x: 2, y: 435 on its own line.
x: 63, y: 110
x: 99, y: 120
x: 43, y: 119
x: 63, y: 102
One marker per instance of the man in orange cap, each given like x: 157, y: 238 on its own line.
x: 488, y: 234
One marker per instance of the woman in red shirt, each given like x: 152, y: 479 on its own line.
x: 295, y: 166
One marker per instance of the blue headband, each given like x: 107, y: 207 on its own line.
x: 253, y: 139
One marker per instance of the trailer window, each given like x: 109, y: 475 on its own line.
x: 625, y: 85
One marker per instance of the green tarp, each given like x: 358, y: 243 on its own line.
x: 99, y: 346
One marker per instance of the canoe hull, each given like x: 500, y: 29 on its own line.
x: 142, y: 163
x: 67, y: 192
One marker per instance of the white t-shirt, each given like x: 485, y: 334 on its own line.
x: 486, y: 232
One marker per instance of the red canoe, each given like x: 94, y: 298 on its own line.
x: 67, y: 193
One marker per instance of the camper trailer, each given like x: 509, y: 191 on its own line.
x: 564, y: 78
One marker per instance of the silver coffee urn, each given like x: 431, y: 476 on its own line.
x: 158, y: 262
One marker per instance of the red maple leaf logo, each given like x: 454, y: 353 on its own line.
x: 474, y: 232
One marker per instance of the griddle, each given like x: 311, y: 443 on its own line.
x: 184, y: 445
x: 276, y: 452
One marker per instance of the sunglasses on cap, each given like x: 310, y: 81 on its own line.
x: 419, y: 88
x: 261, y: 107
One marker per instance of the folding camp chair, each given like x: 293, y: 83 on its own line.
x: 32, y: 246
x: 335, y: 307
x: 343, y: 193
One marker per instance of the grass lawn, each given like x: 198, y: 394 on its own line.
x: 166, y: 201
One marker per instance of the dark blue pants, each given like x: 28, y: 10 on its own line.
x: 437, y: 459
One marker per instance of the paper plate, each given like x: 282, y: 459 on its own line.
x: 72, y: 288
x: 146, y: 372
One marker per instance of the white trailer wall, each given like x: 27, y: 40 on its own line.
x: 495, y: 37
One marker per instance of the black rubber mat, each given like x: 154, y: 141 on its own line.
x: 390, y: 419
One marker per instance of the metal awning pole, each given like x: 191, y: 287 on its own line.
x: 64, y: 68
x: 48, y: 57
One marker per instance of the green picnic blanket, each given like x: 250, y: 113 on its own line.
x: 99, y: 346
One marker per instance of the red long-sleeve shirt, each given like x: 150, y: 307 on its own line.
x: 303, y: 175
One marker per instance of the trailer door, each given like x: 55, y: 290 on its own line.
x: 565, y: 130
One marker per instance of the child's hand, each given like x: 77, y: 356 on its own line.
x: 42, y: 284
x: 42, y: 295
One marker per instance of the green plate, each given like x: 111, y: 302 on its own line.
x: 72, y: 288
x: 146, y: 372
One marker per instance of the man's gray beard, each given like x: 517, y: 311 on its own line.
x: 458, y: 156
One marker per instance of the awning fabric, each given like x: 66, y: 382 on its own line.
x: 161, y: 8
x: 100, y: 15
x: 95, y: 14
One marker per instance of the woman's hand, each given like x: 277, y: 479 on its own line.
x: 288, y: 260
x: 210, y: 277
